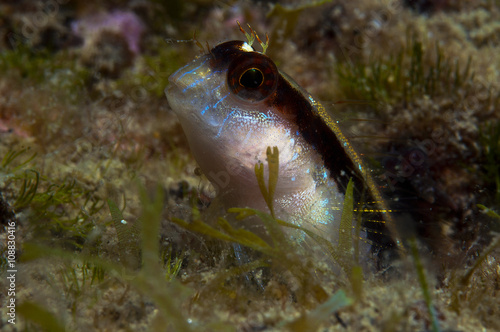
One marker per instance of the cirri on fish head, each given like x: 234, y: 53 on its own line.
x: 233, y: 103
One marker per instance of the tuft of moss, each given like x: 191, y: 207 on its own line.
x: 57, y: 71
x: 410, y: 74
x: 48, y: 204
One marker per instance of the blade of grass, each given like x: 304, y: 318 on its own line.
x: 419, y: 267
x: 312, y: 320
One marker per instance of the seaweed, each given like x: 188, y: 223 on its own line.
x: 312, y: 320
x: 243, y: 236
x: 282, y: 252
x: 173, y: 264
x: 412, y: 73
x: 76, y: 279
x: 489, y: 212
x: 8, y: 159
x: 62, y: 220
x: 230, y: 234
x: 49, y: 200
x: 83, y: 272
x: 463, y: 288
x: 150, y: 280
x: 28, y: 190
x: 288, y: 16
x: 424, y: 285
x: 57, y: 71
x: 128, y: 233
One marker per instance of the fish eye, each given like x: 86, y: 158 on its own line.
x: 252, y: 76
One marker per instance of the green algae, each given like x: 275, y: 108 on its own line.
x: 6, y: 165
x: 288, y: 16
x: 412, y: 73
x: 128, y: 233
x: 312, y: 320
x: 282, y: 252
x: 172, y: 263
x: 59, y: 213
x: 84, y: 274
x: 424, y: 284
x: 49, y: 203
x: 54, y: 71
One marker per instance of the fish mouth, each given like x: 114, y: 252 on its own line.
x: 187, y: 89
x: 190, y: 75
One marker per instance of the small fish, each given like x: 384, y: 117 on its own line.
x: 233, y: 103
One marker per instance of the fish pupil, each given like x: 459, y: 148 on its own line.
x: 252, y: 78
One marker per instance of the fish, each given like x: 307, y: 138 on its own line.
x: 233, y: 103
